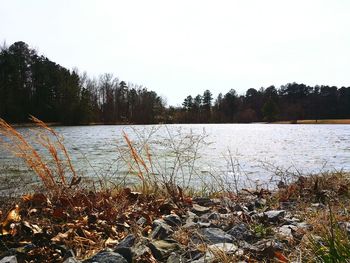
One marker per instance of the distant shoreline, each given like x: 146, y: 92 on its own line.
x: 326, y: 121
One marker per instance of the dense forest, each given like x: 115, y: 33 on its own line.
x: 32, y: 84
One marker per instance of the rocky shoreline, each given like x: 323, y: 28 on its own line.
x: 304, y: 221
x: 203, y: 230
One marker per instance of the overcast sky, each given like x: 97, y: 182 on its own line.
x: 183, y: 47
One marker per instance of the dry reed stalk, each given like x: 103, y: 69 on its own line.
x: 46, y: 143
x: 24, y: 149
x: 138, y: 160
x: 41, y: 124
x: 20, y: 147
x: 135, y: 155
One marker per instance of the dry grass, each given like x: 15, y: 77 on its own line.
x: 54, y: 171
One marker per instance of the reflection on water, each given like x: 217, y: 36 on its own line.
x: 305, y: 148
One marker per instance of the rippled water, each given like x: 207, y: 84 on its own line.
x: 258, y: 148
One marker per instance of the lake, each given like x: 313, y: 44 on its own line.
x: 254, y: 151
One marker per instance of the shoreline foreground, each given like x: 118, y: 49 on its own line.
x: 304, y: 221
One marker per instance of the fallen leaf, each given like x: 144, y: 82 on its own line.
x: 111, y: 242
x: 281, y: 257
x: 12, y: 217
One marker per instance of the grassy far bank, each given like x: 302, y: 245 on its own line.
x: 305, y: 219
x: 327, y: 121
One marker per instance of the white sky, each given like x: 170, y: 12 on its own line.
x: 183, y: 47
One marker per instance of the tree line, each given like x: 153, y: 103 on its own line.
x: 32, y: 84
x: 289, y: 102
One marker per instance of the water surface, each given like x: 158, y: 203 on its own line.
x: 259, y: 149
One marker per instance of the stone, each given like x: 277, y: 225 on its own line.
x: 228, y: 248
x: 318, y: 206
x: 200, y: 210
x: 175, y: 258
x: 286, y: 231
x: 161, y: 230
x: 162, y: 248
x: 141, y: 250
x: 126, y: 252
x: 266, y: 248
x: 69, y: 254
x: 193, y: 254
x: 238, y: 207
x: 260, y: 202
x: 216, y: 235
x: 207, y: 258
x: 71, y: 260
x: 128, y: 241
x: 345, y: 226
x: 306, y: 226
x: 141, y: 221
x: 241, y: 232
x: 9, y: 259
x: 272, y: 216
x: 173, y: 220
x: 107, y: 257
x: 251, y: 206
x: 203, y: 224
x: 214, y: 216
x: 203, y: 201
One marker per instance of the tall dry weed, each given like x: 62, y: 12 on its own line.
x: 53, y: 166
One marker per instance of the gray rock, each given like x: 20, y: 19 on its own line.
x: 107, y: 257
x: 200, y: 210
x: 207, y: 258
x: 306, y: 226
x: 214, y: 216
x: 216, y: 235
x: 175, y: 258
x: 191, y: 215
x: 126, y: 252
x: 162, y: 248
x: 204, y: 201
x: 9, y: 259
x: 241, y: 232
x: 161, y: 230
x: 128, y: 241
x: 286, y: 231
x: 228, y: 248
x: 71, y: 260
x: 265, y: 248
x: 173, y: 220
x: 223, y: 210
x: 318, y: 205
x: 203, y: 224
x: 260, y: 202
x: 345, y: 226
x: 238, y: 207
x: 140, y: 249
x: 272, y: 216
x: 69, y: 255
x: 142, y: 221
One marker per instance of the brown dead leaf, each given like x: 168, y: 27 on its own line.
x: 12, y: 217
x: 59, y: 213
x: 34, y: 229
x: 111, y: 242
x: 281, y: 258
x: 60, y: 237
x: 37, y: 199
